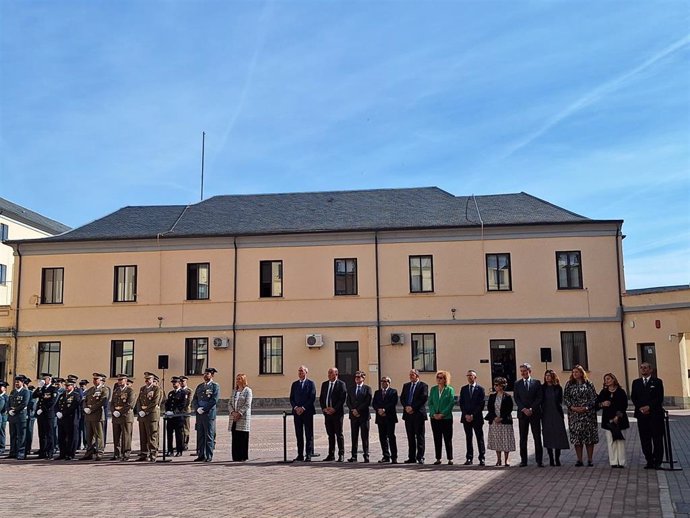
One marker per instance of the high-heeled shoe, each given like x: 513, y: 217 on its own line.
x: 499, y: 463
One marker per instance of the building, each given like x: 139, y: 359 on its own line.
x: 16, y: 222
x: 378, y: 280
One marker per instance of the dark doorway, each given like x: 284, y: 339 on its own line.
x: 503, y: 361
x: 3, y: 362
x: 648, y: 355
x: 347, y: 361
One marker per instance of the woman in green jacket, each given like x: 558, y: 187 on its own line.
x: 441, y: 403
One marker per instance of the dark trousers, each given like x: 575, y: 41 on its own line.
x: 29, y: 434
x: 525, y: 423
x: 240, y: 444
x: 357, y: 428
x: 18, y: 439
x: 389, y: 444
x: 185, y: 432
x: 476, y: 427
x: 651, y: 430
x: 334, y: 429
x: 174, y: 427
x: 68, y: 429
x: 304, y: 426
x: 442, y: 429
x: 205, y: 436
x: 414, y: 427
x: 46, y: 435
x: 3, y: 433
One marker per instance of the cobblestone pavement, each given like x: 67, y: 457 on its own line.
x: 267, y: 488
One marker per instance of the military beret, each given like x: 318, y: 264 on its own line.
x: 46, y: 375
x: 4, y: 384
x: 210, y: 370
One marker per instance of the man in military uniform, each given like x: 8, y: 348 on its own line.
x: 174, y: 405
x: 187, y: 410
x: 94, y: 400
x: 82, y: 426
x: 68, y: 405
x: 59, y: 384
x: 19, y: 399
x: 30, y: 416
x: 148, y: 403
x: 122, y: 410
x: 46, y: 396
x: 205, y: 401
x: 4, y: 402
x: 76, y: 439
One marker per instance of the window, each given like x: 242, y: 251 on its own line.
x: 4, y: 231
x: 569, y: 270
x: 270, y: 355
x: 574, y: 349
x: 421, y: 273
x: 198, y: 281
x: 424, y: 352
x: 196, y: 356
x: 52, y: 282
x: 121, y: 357
x: 498, y: 272
x: 346, y: 276
x: 125, y: 289
x: 48, y: 358
x: 271, y: 281
x: 3, y: 274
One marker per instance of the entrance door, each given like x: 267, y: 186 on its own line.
x: 3, y: 362
x: 503, y: 361
x: 648, y: 355
x: 347, y: 361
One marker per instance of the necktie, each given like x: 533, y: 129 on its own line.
x: 384, y: 393
x: 645, y: 381
x: 357, y: 391
x: 301, y: 385
x: 328, y: 395
x: 409, y: 400
x: 471, y: 390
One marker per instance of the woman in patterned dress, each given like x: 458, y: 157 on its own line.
x: 501, y: 435
x: 580, y: 397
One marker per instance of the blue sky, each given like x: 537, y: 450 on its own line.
x: 585, y: 104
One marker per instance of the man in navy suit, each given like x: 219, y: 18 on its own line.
x: 413, y: 399
x: 384, y: 403
x: 332, y: 400
x: 647, y: 395
x: 359, y: 401
x: 302, y: 396
x: 528, y: 398
x: 471, y: 406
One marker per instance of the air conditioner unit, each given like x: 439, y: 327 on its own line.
x: 314, y: 341
x: 221, y: 342
x: 397, y: 338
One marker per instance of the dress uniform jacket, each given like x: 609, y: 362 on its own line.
x: 149, y: 402
x: 206, y: 397
x: 18, y: 401
x: 68, y: 405
x: 46, y: 398
x: 4, y: 403
x: 123, y: 400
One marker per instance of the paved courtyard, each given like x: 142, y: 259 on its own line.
x: 265, y: 487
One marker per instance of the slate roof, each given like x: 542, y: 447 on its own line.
x: 336, y: 211
x: 31, y: 218
x: 657, y: 289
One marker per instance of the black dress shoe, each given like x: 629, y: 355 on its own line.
x: 144, y: 459
x: 579, y: 464
x: 307, y: 459
x: 341, y: 458
x: 198, y: 459
x: 523, y: 464
x: 420, y: 461
x: 352, y: 459
x: 114, y: 457
x: 366, y: 460
x: 384, y: 460
x: 394, y: 461
x: 468, y: 462
x: 482, y: 463
x: 540, y: 464
x: 299, y: 458
x: 410, y: 461
x: 330, y: 458
x: 438, y: 461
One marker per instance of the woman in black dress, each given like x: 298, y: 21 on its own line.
x: 613, y: 401
x: 552, y: 422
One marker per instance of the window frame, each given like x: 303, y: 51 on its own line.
x: 423, y: 367
x: 565, y: 357
x: 3, y: 275
x: 497, y: 269
x: 44, y: 299
x: 265, y: 360
x: 421, y: 275
x: 264, y: 293
x: 193, y: 285
x: 346, y: 275
x: 40, y: 366
x: 568, y: 267
x: 4, y: 232
x: 121, y: 356
x: 192, y: 356
x: 116, y: 284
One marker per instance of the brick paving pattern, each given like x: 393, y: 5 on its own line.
x: 267, y: 488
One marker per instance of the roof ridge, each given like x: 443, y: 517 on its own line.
x: 343, y: 191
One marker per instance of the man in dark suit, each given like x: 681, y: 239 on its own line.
x: 384, y: 403
x: 302, y: 396
x: 528, y: 398
x: 413, y: 399
x: 332, y: 400
x: 471, y: 406
x: 647, y: 395
x: 359, y: 401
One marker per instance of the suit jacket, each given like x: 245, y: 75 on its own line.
x: 207, y: 397
x: 303, y: 395
x: 652, y: 395
x: 360, y: 402
x: 338, y: 396
x: 617, y: 408
x: 387, y: 403
x: 442, y: 402
x: 474, y: 405
x: 243, y: 405
x: 149, y: 402
x: 47, y: 397
x: 531, y: 398
x: 123, y: 400
x: 419, y: 399
x: 96, y: 398
x: 68, y: 404
x: 505, y: 411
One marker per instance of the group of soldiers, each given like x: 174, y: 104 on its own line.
x: 69, y: 417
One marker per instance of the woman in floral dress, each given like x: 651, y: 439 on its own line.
x: 580, y: 397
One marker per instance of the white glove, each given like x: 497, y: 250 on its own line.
x: 142, y: 413
x: 11, y: 412
x: 199, y: 411
x: 41, y: 383
x: 116, y: 413
x: 39, y: 411
x: 59, y: 415
x: 168, y: 413
x: 87, y: 410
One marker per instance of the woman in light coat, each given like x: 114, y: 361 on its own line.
x: 240, y: 406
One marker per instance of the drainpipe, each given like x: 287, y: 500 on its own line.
x: 16, y: 319
x: 234, y: 312
x: 620, y: 305
x: 378, y: 307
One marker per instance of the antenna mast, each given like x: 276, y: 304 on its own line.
x: 203, y: 145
